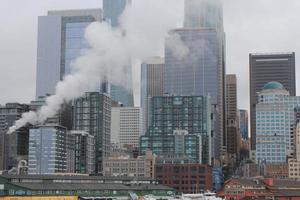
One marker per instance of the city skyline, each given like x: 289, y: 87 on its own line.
x: 237, y: 31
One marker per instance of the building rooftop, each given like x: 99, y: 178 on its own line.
x: 273, y: 86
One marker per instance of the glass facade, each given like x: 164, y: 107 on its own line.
x: 176, y: 122
x: 275, y: 125
x: 92, y: 113
x: 47, y: 150
x: 113, y: 9
x: 244, y: 124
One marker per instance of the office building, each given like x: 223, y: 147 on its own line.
x: 202, y: 74
x: 152, y: 83
x: 84, y: 151
x: 265, y: 68
x: 13, y: 147
x: 180, y: 125
x: 244, y: 124
x: 112, y: 11
x: 142, y: 166
x: 275, y: 121
x: 126, y: 126
x: 185, y: 178
x: 60, y: 41
x: 47, y: 150
x: 203, y: 14
x: 92, y: 113
x: 233, y: 138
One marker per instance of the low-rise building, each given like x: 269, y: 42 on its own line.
x: 126, y: 166
x: 185, y: 178
x: 269, y: 188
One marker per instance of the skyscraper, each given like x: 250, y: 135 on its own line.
x: 60, y: 41
x: 92, y: 113
x: 275, y: 124
x: 112, y: 11
x: 201, y: 71
x: 152, y: 83
x: 232, y: 138
x: 265, y: 68
x: 203, y: 14
x: 244, y: 124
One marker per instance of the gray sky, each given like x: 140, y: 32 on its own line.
x: 250, y: 26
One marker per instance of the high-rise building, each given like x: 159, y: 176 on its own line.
x: 60, y: 41
x: 47, y: 150
x: 199, y: 73
x: 233, y: 138
x: 152, y: 83
x: 201, y: 70
x: 275, y: 124
x: 84, y: 152
x: 203, y: 14
x: 92, y: 113
x: 126, y: 126
x: 13, y: 147
x: 112, y: 11
x: 265, y: 68
x: 244, y: 128
x: 179, y: 125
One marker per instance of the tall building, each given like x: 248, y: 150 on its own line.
x: 126, y: 126
x: 152, y: 82
x: 275, y: 124
x: 203, y: 14
x: 84, y: 150
x: 233, y: 138
x: 92, y: 113
x: 47, y: 150
x: 60, y: 41
x: 265, y: 68
x: 204, y: 64
x: 244, y: 124
x: 13, y: 147
x: 202, y: 74
x: 179, y: 125
x: 112, y: 11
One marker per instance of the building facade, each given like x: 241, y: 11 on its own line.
x: 152, y: 83
x: 179, y: 121
x: 112, y: 10
x: 244, y: 124
x: 265, y: 68
x: 13, y: 147
x: 47, y: 150
x: 275, y: 124
x: 185, y: 178
x: 126, y: 126
x: 84, y: 152
x: 92, y: 113
x: 142, y: 166
x: 60, y: 41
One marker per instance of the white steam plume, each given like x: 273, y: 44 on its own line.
x: 144, y: 25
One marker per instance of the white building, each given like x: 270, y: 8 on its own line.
x: 275, y: 124
x: 126, y: 126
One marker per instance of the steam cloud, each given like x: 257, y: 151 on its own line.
x: 144, y: 25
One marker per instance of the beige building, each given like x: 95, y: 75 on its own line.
x: 294, y: 163
x: 142, y: 166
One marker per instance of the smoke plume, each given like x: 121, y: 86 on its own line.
x: 144, y: 25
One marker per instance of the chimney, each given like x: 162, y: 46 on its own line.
x: 269, y: 181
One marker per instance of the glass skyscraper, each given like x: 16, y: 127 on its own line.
x: 113, y: 9
x: 180, y: 125
x: 275, y: 124
x: 60, y: 42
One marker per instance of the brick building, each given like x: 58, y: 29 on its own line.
x: 186, y: 178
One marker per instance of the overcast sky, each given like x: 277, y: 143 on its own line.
x: 250, y: 26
